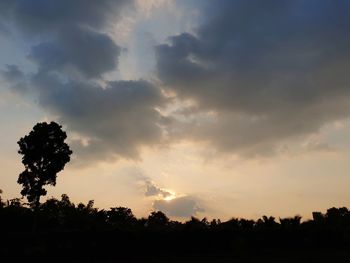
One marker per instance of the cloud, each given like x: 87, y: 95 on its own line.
x: 184, y: 206
x: 116, y: 119
x: 153, y: 190
x: 68, y: 35
x: 261, y: 73
x: 3, y: 29
x: 71, y: 50
x: 88, y: 52
x: 318, y: 146
x: 12, y: 73
x: 150, y: 188
x: 15, y: 77
x: 41, y: 17
x: 258, y: 74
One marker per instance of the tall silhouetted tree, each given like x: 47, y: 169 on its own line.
x: 44, y: 155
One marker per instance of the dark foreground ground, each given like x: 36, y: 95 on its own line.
x: 153, y: 246
x: 60, y: 231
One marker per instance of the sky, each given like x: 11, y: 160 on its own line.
x: 225, y: 108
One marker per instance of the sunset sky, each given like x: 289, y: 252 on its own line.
x: 215, y: 108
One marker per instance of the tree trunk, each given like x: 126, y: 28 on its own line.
x: 35, y: 215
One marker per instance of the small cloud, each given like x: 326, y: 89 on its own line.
x: 184, y: 206
x: 153, y: 190
x: 316, y: 143
x: 318, y: 147
x: 149, y: 187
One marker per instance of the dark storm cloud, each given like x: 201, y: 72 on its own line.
x: 13, y: 75
x: 91, y: 53
x: 3, y: 29
x: 46, y: 16
x: 116, y: 119
x: 67, y: 32
x: 184, y: 206
x: 269, y: 70
x: 71, y: 51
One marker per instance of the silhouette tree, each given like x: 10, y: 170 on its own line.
x: 290, y: 222
x: 215, y: 222
x: 196, y: 224
x: 267, y: 222
x: 338, y: 216
x: 157, y: 220
x: 120, y: 217
x: 44, y: 155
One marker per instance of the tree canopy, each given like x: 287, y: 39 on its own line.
x: 45, y: 153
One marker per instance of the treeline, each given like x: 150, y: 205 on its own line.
x: 64, y: 215
x: 84, y: 232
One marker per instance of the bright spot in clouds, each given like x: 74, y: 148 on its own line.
x: 169, y: 197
